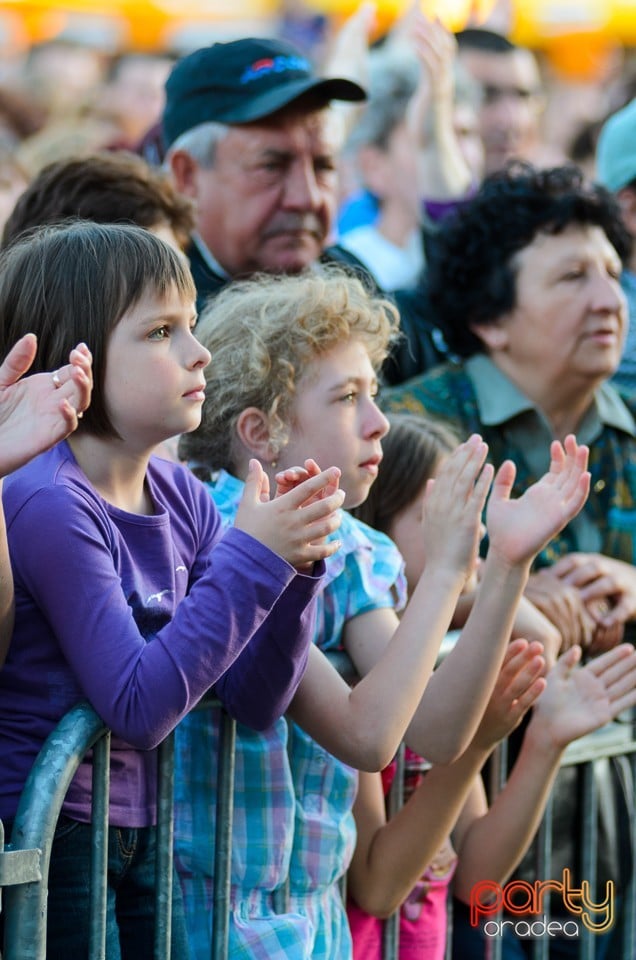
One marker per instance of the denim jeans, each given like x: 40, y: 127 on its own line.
x: 130, y: 904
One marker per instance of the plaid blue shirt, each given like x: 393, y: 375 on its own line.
x: 293, y: 800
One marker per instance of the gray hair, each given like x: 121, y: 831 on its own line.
x: 201, y: 142
x: 393, y: 78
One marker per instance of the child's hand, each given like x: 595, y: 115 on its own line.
x: 290, y: 478
x: 294, y: 524
x: 37, y: 412
x: 519, y: 685
x: 518, y: 529
x: 578, y: 700
x: 453, y: 504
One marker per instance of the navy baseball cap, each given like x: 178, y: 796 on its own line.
x: 242, y: 81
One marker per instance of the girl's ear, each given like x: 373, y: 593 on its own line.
x: 252, y: 428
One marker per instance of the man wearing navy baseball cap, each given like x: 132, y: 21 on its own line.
x: 249, y: 137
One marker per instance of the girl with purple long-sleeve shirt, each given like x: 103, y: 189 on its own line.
x: 127, y: 593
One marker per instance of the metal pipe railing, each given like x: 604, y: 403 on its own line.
x: 24, y: 862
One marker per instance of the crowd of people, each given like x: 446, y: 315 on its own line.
x: 301, y: 358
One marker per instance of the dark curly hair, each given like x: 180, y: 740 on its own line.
x: 471, y: 270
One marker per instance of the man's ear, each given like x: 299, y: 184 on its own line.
x: 184, y: 172
x: 494, y: 336
x: 252, y: 429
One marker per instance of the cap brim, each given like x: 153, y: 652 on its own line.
x: 332, y: 88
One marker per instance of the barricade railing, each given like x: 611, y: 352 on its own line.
x: 24, y: 861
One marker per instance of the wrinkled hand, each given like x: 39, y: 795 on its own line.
x: 37, y: 412
x: 563, y: 605
x: 580, y: 699
x: 607, y: 586
x: 452, y: 508
x: 294, y: 524
x: 606, y: 637
x: 519, y: 684
x: 518, y: 529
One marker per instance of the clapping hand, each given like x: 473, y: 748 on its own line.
x: 518, y: 529
x: 519, y: 684
x: 305, y: 510
x: 580, y: 699
x: 37, y: 412
x: 452, y: 508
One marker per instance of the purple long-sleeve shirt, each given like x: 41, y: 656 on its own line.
x: 140, y: 615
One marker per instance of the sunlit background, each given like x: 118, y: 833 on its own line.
x: 576, y: 32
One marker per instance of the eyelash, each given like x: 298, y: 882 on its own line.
x: 579, y: 274
x: 573, y: 275
x: 354, y: 394
x: 163, y: 329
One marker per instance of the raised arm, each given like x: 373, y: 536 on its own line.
x: 364, y: 726
x: 390, y: 857
x: 35, y: 413
x: 444, y: 173
x: 517, y: 530
x: 576, y: 701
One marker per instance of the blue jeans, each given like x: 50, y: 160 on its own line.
x: 130, y: 906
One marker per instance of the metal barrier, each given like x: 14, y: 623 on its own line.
x: 24, y: 861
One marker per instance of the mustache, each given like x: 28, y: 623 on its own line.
x: 295, y: 223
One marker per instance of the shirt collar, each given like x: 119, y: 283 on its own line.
x: 499, y: 400
x: 208, y: 258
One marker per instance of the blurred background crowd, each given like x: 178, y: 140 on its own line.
x: 86, y: 75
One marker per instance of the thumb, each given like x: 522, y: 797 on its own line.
x: 18, y: 360
x: 504, y: 479
x: 256, y: 483
x: 568, y: 660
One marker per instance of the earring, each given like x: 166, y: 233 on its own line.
x: 274, y: 464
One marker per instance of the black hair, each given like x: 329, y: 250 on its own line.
x: 471, y: 270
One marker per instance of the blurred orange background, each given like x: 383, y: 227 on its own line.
x: 575, y: 33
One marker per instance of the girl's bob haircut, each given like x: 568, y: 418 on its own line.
x: 74, y: 282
